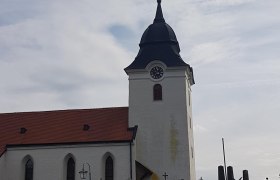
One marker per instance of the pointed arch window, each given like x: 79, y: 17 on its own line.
x: 70, y: 169
x: 157, y: 91
x: 29, y: 170
x: 109, y: 168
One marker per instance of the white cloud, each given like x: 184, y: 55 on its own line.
x: 199, y: 128
x: 227, y: 2
x: 210, y: 52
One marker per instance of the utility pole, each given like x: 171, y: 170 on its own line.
x: 225, y: 165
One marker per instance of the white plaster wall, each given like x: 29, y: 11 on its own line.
x: 49, y: 161
x: 164, y: 138
x: 190, y: 134
x: 133, y: 160
x: 2, y: 167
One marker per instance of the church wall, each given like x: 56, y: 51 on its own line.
x: 190, y: 131
x: 49, y: 162
x: 164, y: 138
x: 2, y: 166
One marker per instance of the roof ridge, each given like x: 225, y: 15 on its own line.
x: 63, y: 110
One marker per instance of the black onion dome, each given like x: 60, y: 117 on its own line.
x: 158, y: 42
x: 158, y: 33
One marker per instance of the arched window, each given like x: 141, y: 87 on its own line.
x: 29, y: 170
x: 157, y: 92
x: 70, y: 169
x: 109, y: 168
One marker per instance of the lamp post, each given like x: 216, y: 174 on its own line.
x: 83, y: 173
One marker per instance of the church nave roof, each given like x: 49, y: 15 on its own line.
x: 64, y: 127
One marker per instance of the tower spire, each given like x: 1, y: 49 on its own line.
x: 159, y: 16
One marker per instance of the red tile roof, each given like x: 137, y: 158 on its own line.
x: 64, y: 126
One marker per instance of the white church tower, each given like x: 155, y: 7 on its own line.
x: 160, y: 105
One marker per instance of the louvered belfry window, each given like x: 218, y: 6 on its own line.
x: 157, y: 92
x: 109, y: 168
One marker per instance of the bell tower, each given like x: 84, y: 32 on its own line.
x: 160, y: 105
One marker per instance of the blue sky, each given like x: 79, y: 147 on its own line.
x: 71, y: 54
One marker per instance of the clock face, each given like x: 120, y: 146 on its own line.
x: 156, y: 72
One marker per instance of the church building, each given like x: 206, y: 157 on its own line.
x: 151, y: 139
